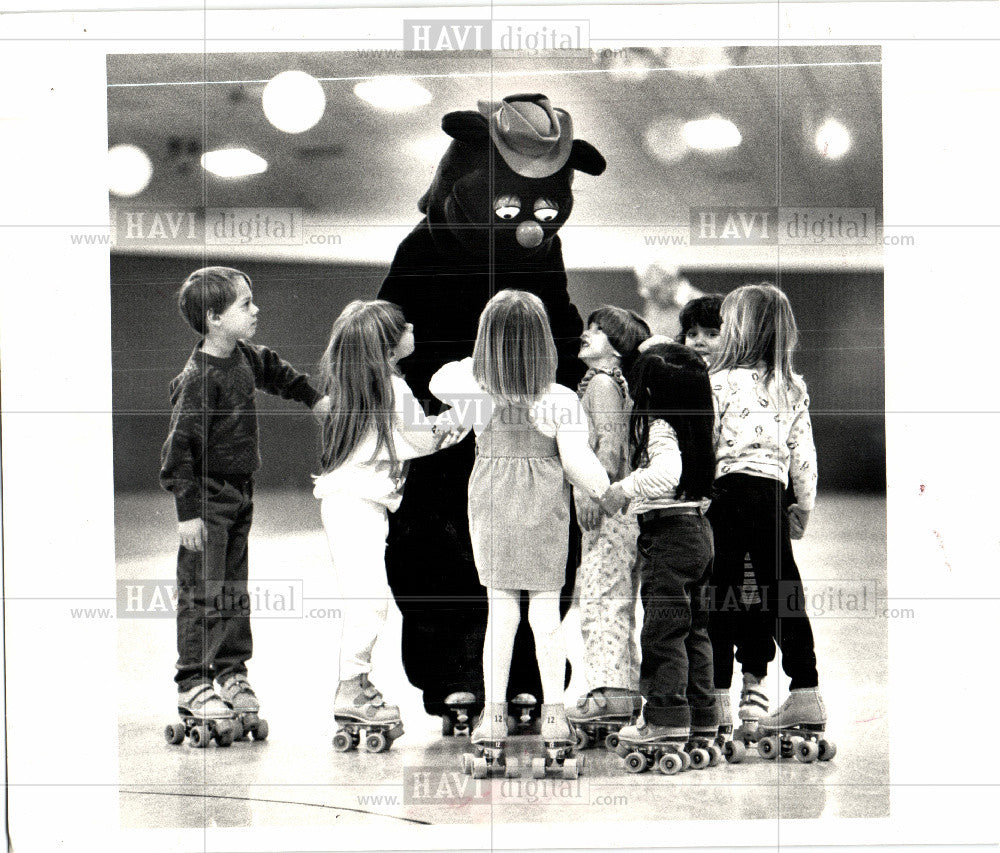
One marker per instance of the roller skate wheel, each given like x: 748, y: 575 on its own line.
x: 685, y: 760
x: 734, y: 751
x: 224, y: 735
x: 480, y: 768
x: 376, y: 742
x: 768, y: 747
x: 538, y: 768
x: 714, y: 755
x: 512, y: 769
x: 611, y: 742
x: 343, y: 742
x: 582, y: 739
x: 261, y: 730
x: 807, y: 751
x: 670, y: 763
x: 827, y: 749
x: 199, y: 737
x: 570, y: 769
x: 635, y: 762
x: 700, y: 758
x: 174, y: 734
x: 447, y: 727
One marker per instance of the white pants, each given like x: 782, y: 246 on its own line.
x: 356, y: 531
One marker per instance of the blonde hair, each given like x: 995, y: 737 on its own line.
x: 514, y: 359
x: 758, y: 327
x: 357, y: 375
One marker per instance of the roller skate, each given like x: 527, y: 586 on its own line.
x: 489, y: 742
x: 647, y: 745
x: 796, y: 729
x: 456, y: 720
x: 236, y: 692
x: 525, y: 722
x: 753, y: 706
x: 558, y: 740
x: 204, y: 717
x: 703, y: 747
x: 359, y: 707
x: 599, y: 715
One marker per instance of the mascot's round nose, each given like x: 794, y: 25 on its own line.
x: 529, y: 234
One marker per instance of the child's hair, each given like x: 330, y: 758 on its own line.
x: 356, y: 374
x: 208, y: 289
x: 705, y: 311
x: 515, y: 356
x: 670, y: 382
x: 758, y: 326
x: 625, y: 330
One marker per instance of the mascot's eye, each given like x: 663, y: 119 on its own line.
x: 546, y: 210
x: 507, y: 206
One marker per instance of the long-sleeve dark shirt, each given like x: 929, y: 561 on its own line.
x: 213, y: 429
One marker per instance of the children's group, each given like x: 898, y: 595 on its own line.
x: 688, y: 464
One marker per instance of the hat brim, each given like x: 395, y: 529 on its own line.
x: 524, y: 164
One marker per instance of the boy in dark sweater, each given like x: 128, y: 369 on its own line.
x: 208, y: 462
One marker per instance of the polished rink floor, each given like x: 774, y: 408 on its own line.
x: 296, y: 779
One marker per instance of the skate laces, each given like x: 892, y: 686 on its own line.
x: 237, y: 685
x: 370, y: 692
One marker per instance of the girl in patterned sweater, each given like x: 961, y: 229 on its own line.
x: 606, y: 588
x: 763, y: 437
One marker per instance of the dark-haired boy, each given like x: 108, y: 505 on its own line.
x: 208, y: 462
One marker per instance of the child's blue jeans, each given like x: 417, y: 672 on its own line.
x: 213, y: 605
x: 675, y: 567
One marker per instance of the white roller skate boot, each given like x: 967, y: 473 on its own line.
x: 359, y: 707
x: 489, y: 740
x: 558, y: 741
x: 796, y: 728
x: 645, y: 745
x: 753, y: 702
x: 234, y: 689
x: 599, y: 715
x: 204, y: 717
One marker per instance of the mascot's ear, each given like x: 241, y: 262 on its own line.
x: 467, y: 126
x: 586, y: 158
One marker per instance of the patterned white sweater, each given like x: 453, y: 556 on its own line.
x: 755, y: 435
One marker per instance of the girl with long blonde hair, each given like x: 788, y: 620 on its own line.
x: 372, y: 426
x: 532, y: 441
x: 763, y: 437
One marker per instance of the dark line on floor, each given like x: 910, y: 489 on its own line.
x: 282, y: 802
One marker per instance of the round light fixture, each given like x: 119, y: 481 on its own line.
x: 832, y: 139
x: 395, y: 94
x: 712, y: 134
x: 293, y: 101
x: 129, y: 170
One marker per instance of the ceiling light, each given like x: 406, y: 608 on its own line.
x: 293, y: 101
x: 712, y: 134
x: 832, y: 139
x: 393, y: 93
x: 129, y: 170
x: 627, y: 65
x: 233, y: 162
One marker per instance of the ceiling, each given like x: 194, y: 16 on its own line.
x: 362, y: 169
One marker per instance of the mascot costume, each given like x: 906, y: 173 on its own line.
x: 491, y: 216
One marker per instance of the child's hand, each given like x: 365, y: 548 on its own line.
x: 588, y: 511
x: 614, y: 499
x: 655, y: 340
x: 447, y: 437
x: 193, y: 534
x: 798, y: 518
x: 321, y: 407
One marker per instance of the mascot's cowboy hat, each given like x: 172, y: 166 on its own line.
x: 534, y: 139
